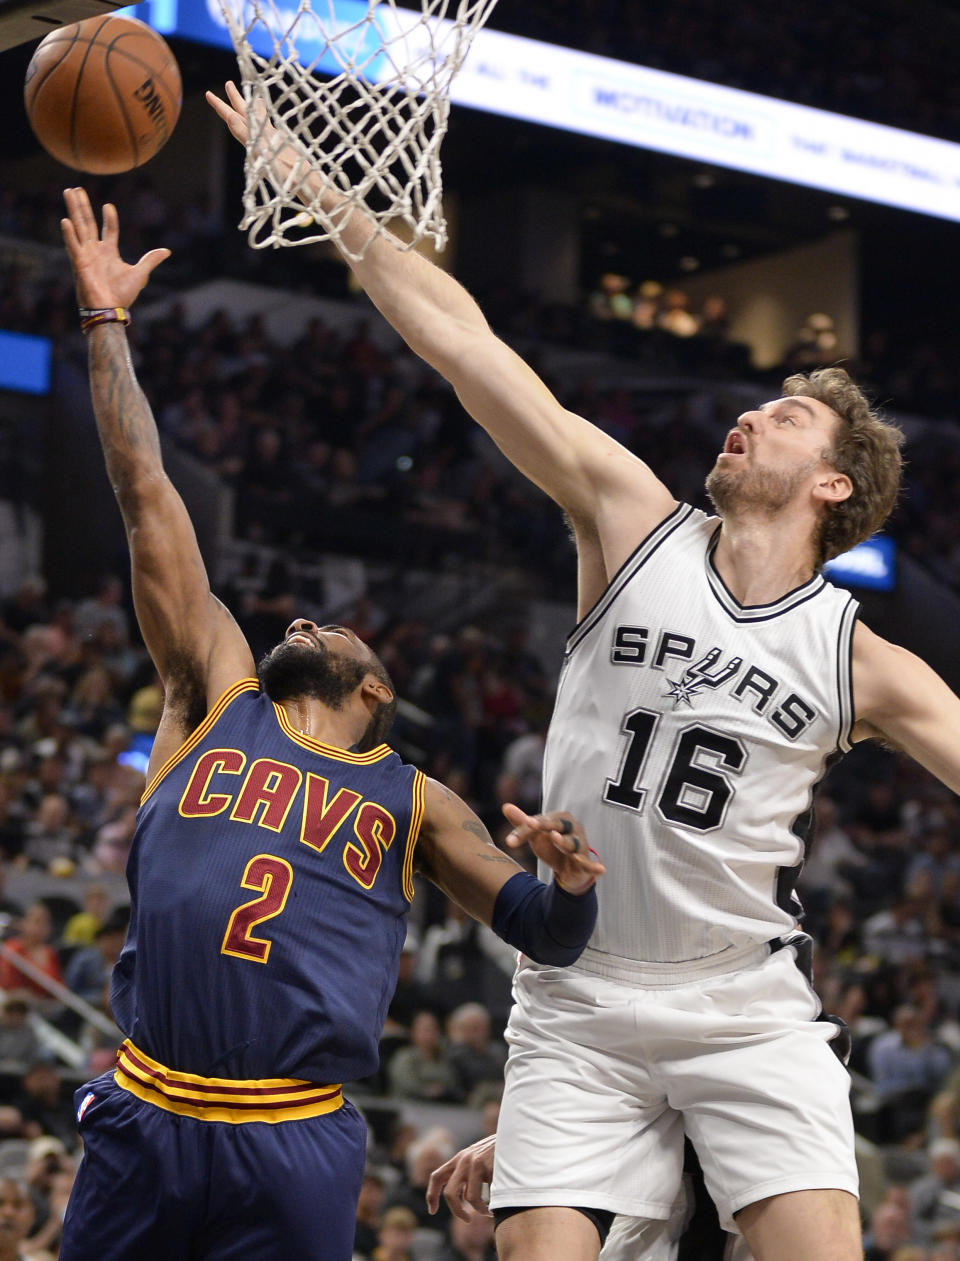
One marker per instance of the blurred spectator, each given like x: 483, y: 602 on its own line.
x: 49, y: 839
x: 111, y: 845
x: 646, y: 305
x: 81, y: 929
x: 28, y: 606
x: 714, y: 317
x: 907, y: 1067
x: 521, y: 771
x: 421, y: 1070
x: 32, y: 943
x: 49, y: 1176
x: 611, y: 299
x: 887, y: 1230
x: 936, y: 859
x: 929, y: 1206
x: 93, y: 705
x: 395, y: 1236
x: 831, y: 858
x: 424, y: 1153
x: 897, y: 935
x: 144, y: 710
x: 462, y: 961
x: 410, y: 994
x: 103, y: 609
x: 676, y: 317
x: 18, y: 1041
x: 474, y: 1056
x: 16, y: 1219
x: 46, y: 1111
x: 89, y: 969
x: 471, y: 1240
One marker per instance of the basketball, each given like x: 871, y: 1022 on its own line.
x: 103, y: 95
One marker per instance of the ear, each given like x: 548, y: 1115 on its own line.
x: 833, y: 487
x: 375, y: 691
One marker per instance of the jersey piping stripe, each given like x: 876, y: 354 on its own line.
x: 758, y: 612
x: 191, y: 742
x: 328, y: 750
x: 221, y: 1099
x: 848, y: 715
x: 634, y: 562
x: 419, y: 800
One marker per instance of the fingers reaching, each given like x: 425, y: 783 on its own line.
x: 462, y: 1181
x: 558, y: 828
x: 111, y: 223
x: 233, y: 110
x: 80, y: 214
x: 558, y: 840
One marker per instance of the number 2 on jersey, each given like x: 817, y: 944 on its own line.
x: 696, y: 790
x: 272, y: 877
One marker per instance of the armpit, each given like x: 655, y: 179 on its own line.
x: 185, y: 691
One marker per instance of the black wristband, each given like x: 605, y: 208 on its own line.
x: 544, y: 921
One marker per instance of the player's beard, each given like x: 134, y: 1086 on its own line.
x: 755, y: 488
x: 290, y: 671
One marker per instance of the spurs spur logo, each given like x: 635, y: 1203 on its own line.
x: 701, y: 676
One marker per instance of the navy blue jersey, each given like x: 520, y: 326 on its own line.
x: 270, y: 878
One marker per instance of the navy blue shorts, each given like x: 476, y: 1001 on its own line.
x: 155, y: 1186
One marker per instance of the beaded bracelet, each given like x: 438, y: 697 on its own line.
x: 90, y: 317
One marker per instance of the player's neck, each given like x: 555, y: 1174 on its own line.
x: 760, y: 560
x: 339, y: 728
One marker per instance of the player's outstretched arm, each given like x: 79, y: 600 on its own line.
x: 576, y: 464
x: 549, y: 922
x: 195, y: 644
x: 899, y: 698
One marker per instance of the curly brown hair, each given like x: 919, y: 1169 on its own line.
x: 865, y: 448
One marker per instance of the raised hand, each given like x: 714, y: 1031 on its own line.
x: 101, y: 276
x: 270, y: 143
x: 233, y: 111
x: 558, y: 840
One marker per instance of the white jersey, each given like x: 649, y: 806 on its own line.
x: 688, y: 736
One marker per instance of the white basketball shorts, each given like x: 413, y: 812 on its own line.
x: 605, y: 1076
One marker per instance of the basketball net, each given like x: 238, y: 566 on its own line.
x: 359, y: 91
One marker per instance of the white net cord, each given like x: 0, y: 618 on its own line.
x: 357, y: 91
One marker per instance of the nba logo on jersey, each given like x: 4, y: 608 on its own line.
x: 88, y: 1098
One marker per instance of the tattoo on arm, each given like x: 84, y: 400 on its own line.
x: 125, y: 422
x: 494, y: 855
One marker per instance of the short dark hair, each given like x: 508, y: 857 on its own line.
x: 865, y: 448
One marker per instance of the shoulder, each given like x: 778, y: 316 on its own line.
x: 887, y: 679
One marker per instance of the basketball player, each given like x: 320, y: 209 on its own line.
x: 713, y: 676
x: 270, y: 878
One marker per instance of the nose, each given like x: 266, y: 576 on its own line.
x: 750, y: 421
x: 301, y: 624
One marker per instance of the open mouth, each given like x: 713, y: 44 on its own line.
x: 735, y: 443
x: 302, y: 637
